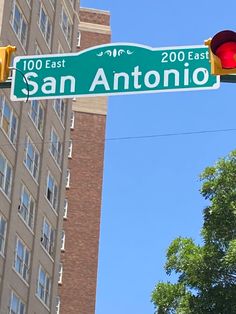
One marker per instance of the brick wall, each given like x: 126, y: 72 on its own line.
x: 94, y: 16
x: 82, y: 225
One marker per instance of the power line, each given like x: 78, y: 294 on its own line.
x: 169, y: 134
x: 130, y: 137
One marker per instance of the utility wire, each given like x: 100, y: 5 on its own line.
x: 169, y: 134
x: 132, y: 137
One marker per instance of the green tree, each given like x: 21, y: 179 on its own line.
x: 206, y: 274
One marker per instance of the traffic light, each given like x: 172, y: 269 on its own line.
x: 5, y: 61
x: 222, y: 50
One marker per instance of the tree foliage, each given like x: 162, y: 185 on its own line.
x: 206, y: 273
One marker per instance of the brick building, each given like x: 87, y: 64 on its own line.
x: 82, y: 221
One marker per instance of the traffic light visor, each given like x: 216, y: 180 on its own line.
x: 223, y: 45
x: 5, y: 60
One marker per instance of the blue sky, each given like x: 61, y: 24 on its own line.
x: 151, y: 184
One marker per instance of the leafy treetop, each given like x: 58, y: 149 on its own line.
x: 207, y: 273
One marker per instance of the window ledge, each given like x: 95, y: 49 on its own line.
x: 17, y: 37
x: 51, y: 258
x: 41, y: 301
x: 40, y: 134
x: 54, y: 210
x: 19, y: 275
x: 30, y: 174
x: 27, y: 226
x: 58, y: 165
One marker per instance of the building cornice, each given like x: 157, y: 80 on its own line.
x: 94, y: 10
x: 94, y: 28
x: 95, y: 105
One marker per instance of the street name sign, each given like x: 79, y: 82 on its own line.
x: 112, y: 69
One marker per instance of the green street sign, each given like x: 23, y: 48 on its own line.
x: 111, y: 70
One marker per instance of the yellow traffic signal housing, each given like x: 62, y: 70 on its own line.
x: 222, y: 53
x: 5, y: 61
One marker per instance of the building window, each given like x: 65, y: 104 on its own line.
x: 8, y: 120
x: 19, y: 23
x: 16, y: 305
x: 58, y: 304
x: 60, y: 273
x: 37, y: 114
x: 63, y: 240
x: 68, y: 179
x: 27, y: 207
x: 65, y: 208
x: 48, y: 235
x: 10, y: 68
x: 66, y: 25
x: 72, y: 120
x: 78, y: 38
x: 52, y: 190
x: 59, y: 107
x: 70, y: 148
x: 43, y: 286
x: 45, y: 25
x: 22, y: 259
x: 5, y: 175
x: 3, y: 230
x: 55, y: 146
x: 31, y: 160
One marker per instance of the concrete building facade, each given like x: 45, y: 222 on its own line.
x: 49, y: 206
x: 33, y: 162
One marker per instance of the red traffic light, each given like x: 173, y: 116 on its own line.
x: 222, y: 48
x: 227, y: 54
